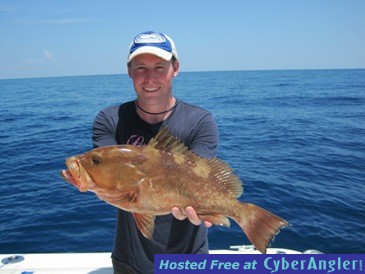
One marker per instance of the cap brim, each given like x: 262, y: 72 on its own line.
x: 151, y: 50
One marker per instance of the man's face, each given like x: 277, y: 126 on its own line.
x: 152, y: 77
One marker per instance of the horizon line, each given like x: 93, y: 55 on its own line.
x: 192, y: 71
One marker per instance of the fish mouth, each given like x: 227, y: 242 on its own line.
x: 77, y: 175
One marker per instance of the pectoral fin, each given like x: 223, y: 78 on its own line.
x: 145, y: 224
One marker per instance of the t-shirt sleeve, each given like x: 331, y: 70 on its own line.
x: 104, y: 128
x: 205, y: 141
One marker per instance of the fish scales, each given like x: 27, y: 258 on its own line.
x: 150, y: 180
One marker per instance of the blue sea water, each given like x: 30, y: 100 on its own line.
x: 296, y: 138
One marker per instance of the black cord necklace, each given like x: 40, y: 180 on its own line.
x: 156, y: 113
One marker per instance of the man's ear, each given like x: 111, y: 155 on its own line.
x: 129, y: 69
x: 176, y: 66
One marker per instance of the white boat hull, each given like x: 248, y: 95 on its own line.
x: 62, y: 263
x: 93, y: 263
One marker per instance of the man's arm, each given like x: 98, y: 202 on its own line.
x: 104, y: 128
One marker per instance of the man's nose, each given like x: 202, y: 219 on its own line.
x: 150, y: 75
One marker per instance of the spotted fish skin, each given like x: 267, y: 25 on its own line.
x: 150, y: 180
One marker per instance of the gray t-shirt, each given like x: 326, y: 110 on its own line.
x: 122, y: 125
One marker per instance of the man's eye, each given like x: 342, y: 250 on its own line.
x: 140, y: 68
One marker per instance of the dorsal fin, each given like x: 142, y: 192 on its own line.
x: 165, y: 141
x: 225, y: 179
x: 221, y: 175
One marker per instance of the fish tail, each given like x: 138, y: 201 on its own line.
x: 259, y: 225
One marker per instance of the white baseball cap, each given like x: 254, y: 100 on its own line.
x: 155, y: 43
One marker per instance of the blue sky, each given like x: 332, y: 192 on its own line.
x: 69, y: 37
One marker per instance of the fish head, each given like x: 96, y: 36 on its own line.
x: 112, y: 167
x: 76, y: 174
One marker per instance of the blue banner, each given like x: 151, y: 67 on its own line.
x: 259, y: 263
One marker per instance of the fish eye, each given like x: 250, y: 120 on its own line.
x: 97, y: 159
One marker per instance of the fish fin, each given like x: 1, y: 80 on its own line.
x: 223, y: 178
x: 259, y: 225
x: 225, y: 181
x: 164, y: 140
x: 217, y: 219
x: 145, y: 224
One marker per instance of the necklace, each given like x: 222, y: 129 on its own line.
x: 156, y: 113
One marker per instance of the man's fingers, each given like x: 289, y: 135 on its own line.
x: 190, y: 213
x: 193, y: 217
x: 207, y: 224
x: 178, y: 214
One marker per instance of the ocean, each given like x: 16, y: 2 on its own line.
x: 296, y: 138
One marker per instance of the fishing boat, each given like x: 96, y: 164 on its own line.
x: 95, y: 263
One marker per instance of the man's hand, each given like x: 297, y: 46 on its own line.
x: 190, y: 213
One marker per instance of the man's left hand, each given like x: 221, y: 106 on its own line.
x: 189, y: 213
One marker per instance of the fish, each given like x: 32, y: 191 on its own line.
x: 152, y: 179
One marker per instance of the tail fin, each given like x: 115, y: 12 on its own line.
x: 259, y: 225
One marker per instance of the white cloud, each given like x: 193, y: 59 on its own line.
x: 47, y: 56
x: 64, y: 21
x: 68, y: 21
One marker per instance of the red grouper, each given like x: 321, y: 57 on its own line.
x: 151, y: 179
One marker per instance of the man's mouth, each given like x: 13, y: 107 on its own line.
x: 150, y: 89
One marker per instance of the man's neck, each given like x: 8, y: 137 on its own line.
x: 157, y: 115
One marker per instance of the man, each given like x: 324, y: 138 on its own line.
x: 152, y: 64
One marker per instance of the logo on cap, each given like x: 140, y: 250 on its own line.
x: 151, y: 38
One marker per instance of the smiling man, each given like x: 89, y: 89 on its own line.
x: 152, y: 80
x: 152, y: 65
